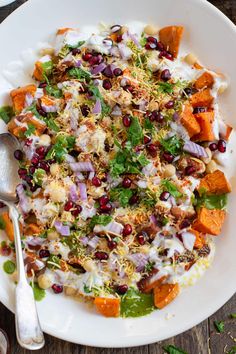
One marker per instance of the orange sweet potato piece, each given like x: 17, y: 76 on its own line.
x: 165, y: 294
x: 38, y: 71
x: 205, y: 120
x: 215, y: 183
x: 205, y: 80
x: 202, y: 98
x: 26, y: 118
x: 197, y: 66
x: 8, y: 225
x: 209, y: 221
x: 108, y: 307
x: 171, y: 37
x: 18, y: 96
x: 189, y: 121
x: 148, y: 283
x: 63, y: 30
x: 200, y: 239
x: 32, y: 229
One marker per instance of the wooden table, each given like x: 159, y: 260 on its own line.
x: 201, y: 339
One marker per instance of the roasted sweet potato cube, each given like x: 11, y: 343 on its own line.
x: 38, y: 71
x: 202, y: 98
x: 189, y: 121
x: 18, y: 96
x: 206, y: 80
x: 63, y: 30
x: 209, y: 221
x: 165, y: 294
x: 205, y: 120
x: 215, y: 183
x: 18, y: 130
x: 8, y: 225
x: 200, y: 240
x: 108, y: 307
x: 171, y: 37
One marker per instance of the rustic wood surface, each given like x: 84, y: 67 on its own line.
x: 202, y: 339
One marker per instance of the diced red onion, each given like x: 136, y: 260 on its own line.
x: 74, y: 119
x: 83, y: 191
x: 85, y: 166
x: 112, y: 262
x: 123, y: 81
x: 134, y: 38
x: 23, y: 199
x: 153, y: 219
x: 113, y: 227
x: 91, y: 175
x: 39, y: 93
x: 73, y: 193
x: 34, y: 241
x: 84, y: 240
x: 78, y: 63
x: 115, y: 28
x: 125, y: 51
x: 114, y: 51
x: 98, y: 69
x: 69, y: 158
x: 116, y: 111
x: 64, y: 230
x: 116, y: 93
x: 40, y: 265
x: 28, y: 99
x: 142, y: 105
x: 140, y: 260
x: 93, y: 242
x: 98, y: 107
x: 96, y: 82
x: 188, y: 240
x: 49, y: 109
x: 195, y: 149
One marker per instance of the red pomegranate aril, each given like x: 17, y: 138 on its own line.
x: 93, y: 61
x: 117, y: 72
x: 141, y: 239
x: 111, y: 244
x: 119, y: 38
x: 168, y: 156
x: 2, y: 205
x: 18, y: 154
x: 86, y: 56
x: 28, y: 179
x: 42, y: 85
x: 103, y: 200
x: 185, y: 223
x: 5, y: 250
x: 106, y: 208
x: 77, y: 210
x: 160, y: 47
x: 152, y: 40
x: 44, y: 253
x: 32, y: 170
x: 28, y: 142
x: 152, y: 149
x: 168, y: 56
x: 159, y: 118
x: 85, y: 110
x: 58, y: 289
x: 147, y: 139
x: 35, y: 160
x: 170, y: 104
x: 165, y: 75
x: 102, y: 256
x: 108, y: 71
x: 127, y: 120
x: 153, y: 116
x: 107, y: 85
x: 33, y: 188
x: 189, y: 170
x: 122, y: 289
x: 128, y: 88
x: 42, y: 112
x: 127, y: 230
x: 213, y: 147
x: 126, y: 183
x: 76, y: 51
x: 221, y: 146
x: 40, y: 150
x: 162, y: 54
x: 96, y: 181
x: 134, y: 199
x: 68, y: 206
x: 22, y: 172
x: 164, y: 196
x: 44, y: 166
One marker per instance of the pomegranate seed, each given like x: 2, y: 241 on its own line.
x: 185, y: 223
x: 141, y: 239
x: 76, y: 51
x: 102, y: 256
x: 40, y: 150
x: 42, y: 112
x: 128, y: 88
x: 22, y: 172
x: 111, y: 244
x: 2, y: 205
x: 152, y: 40
x: 147, y: 139
x: 57, y: 288
x: 160, y: 46
x: 127, y: 230
x: 85, y: 110
x: 68, y: 206
x: 122, y: 289
x: 168, y: 156
x: 44, y: 253
x: 221, y: 146
x: 162, y: 54
x: 134, y: 199
x: 108, y: 71
x: 77, y: 210
x: 96, y: 181
x: 188, y: 91
x: 199, y: 110
x: 93, y: 60
x: 107, y: 85
x: 169, y: 104
x: 164, y: 196
x: 126, y: 183
x: 213, y: 147
x: 152, y: 149
x: 165, y: 75
x: 28, y: 142
x: 35, y: 160
x: 18, y: 154
x: 33, y: 188
x: 42, y: 85
x: 153, y: 116
x: 106, y: 208
x: 159, y: 118
x: 168, y: 56
x: 104, y: 178
x: 86, y: 56
x: 127, y: 120
x: 189, y: 170
x: 28, y: 179
x: 44, y: 165
x: 103, y: 200
x: 117, y: 72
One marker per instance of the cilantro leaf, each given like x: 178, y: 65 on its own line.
x: 123, y: 195
x: 2, y: 223
x: 171, y: 188
x: 30, y: 130
x: 53, y: 91
x: 38, y: 176
x: 211, y: 201
x: 142, y: 160
x: 148, y: 198
x: 143, y: 40
x: 171, y: 349
x: 39, y: 294
x: 173, y: 145
x: 6, y: 113
x: 63, y: 144
x: 135, y: 132
x: 79, y: 44
x: 79, y: 74
x: 97, y: 94
x: 100, y: 220
x: 53, y: 262
x: 165, y: 87
x: 148, y: 125
x: 47, y: 67
x: 87, y: 289
x: 33, y: 110
x: 52, y: 125
x: 219, y: 326
x: 9, y: 267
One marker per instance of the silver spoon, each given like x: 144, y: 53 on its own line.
x: 28, y: 330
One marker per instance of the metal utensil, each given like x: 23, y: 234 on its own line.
x: 28, y: 330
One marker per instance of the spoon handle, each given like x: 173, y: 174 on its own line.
x: 28, y: 330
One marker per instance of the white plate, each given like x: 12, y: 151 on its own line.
x: 212, y: 37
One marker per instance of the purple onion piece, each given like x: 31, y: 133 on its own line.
x: 73, y: 193
x: 98, y: 69
x: 140, y: 260
x: 98, y: 107
x: 64, y: 230
x: 83, y: 191
x: 85, y: 166
x: 116, y: 111
x: 195, y: 149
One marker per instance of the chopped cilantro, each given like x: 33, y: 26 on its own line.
x: 171, y: 349
x: 173, y: 145
x: 53, y: 262
x: 53, y: 91
x: 148, y: 125
x: 47, y: 67
x: 52, y: 125
x: 9, y: 267
x: 126, y: 161
x: 165, y: 221
x: 2, y: 223
x: 6, y: 113
x: 39, y: 294
x: 143, y: 40
x: 100, y: 220
x: 79, y: 74
x: 79, y: 44
x: 30, y: 130
x: 97, y: 94
x: 87, y: 289
x: 135, y: 132
x: 33, y: 110
x: 171, y: 188
x: 219, y: 326
x: 142, y: 160
x: 149, y: 266
x: 63, y: 144
x: 123, y: 195
x: 211, y: 201
x: 165, y: 87
x: 148, y: 198
x: 38, y: 176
